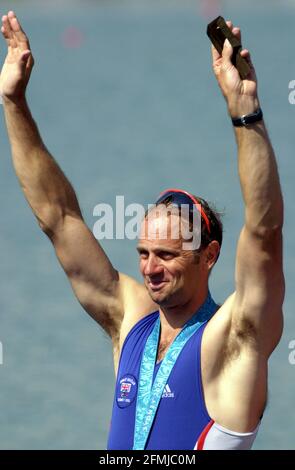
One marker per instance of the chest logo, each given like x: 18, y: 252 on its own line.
x: 126, y: 390
x: 167, y: 392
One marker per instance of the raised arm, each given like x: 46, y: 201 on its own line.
x: 257, y: 306
x: 102, y: 291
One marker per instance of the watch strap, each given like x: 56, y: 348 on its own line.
x: 248, y: 119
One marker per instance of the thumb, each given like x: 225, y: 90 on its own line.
x: 24, y: 58
x: 227, y: 51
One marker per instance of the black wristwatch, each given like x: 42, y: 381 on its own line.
x: 248, y: 119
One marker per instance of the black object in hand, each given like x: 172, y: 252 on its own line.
x: 218, y: 32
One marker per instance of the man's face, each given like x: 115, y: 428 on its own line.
x: 171, y: 274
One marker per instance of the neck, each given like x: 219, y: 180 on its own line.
x: 173, y: 318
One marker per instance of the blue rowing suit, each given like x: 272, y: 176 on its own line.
x: 181, y: 415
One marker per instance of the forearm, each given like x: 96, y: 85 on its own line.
x: 259, y: 178
x: 256, y: 160
x: 46, y: 188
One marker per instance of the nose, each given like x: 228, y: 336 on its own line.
x: 152, y: 266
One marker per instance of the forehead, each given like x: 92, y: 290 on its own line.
x: 162, y: 228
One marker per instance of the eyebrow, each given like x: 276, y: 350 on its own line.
x: 158, y: 249
x: 140, y: 248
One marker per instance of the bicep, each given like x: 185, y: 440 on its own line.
x: 115, y: 300
x: 259, y: 283
x: 94, y: 280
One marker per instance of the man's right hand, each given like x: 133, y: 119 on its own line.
x: 113, y: 299
x: 19, y: 61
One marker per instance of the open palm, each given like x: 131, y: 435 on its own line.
x: 18, y: 63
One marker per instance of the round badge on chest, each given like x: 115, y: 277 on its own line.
x: 126, y: 390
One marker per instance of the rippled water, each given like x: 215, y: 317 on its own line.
x: 125, y: 100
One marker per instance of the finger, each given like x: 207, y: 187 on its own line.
x: 5, y: 35
x: 24, y: 60
x: 7, y: 32
x: 25, y: 55
x: 6, y: 26
x: 229, y: 24
x: 252, y: 74
x: 237, y: 32
x: 246, y: 54
x: 215, y: 53
x: 227, y: 51
x: 17, y: 30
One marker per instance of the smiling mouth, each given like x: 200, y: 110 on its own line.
x: 156, y: 285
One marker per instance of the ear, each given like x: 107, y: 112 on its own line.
x: 212, y: 252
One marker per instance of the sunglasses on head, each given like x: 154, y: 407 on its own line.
x: 179, y: 197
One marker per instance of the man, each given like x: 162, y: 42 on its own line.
x: 190, y: 374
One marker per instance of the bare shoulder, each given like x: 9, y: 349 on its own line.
x: 234, y: 372
x: 231, y: 331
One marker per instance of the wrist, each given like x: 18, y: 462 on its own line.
x: 12, y: 101
x: 248, y: 119
x: 242, y: 106
x: 13, y: 106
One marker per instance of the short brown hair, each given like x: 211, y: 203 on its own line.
x: 214, y: 217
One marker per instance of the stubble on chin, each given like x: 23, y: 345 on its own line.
x: 163, y: 299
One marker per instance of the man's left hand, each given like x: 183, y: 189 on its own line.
x: 241, y: 95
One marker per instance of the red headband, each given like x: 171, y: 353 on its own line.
x: 193, y: 199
